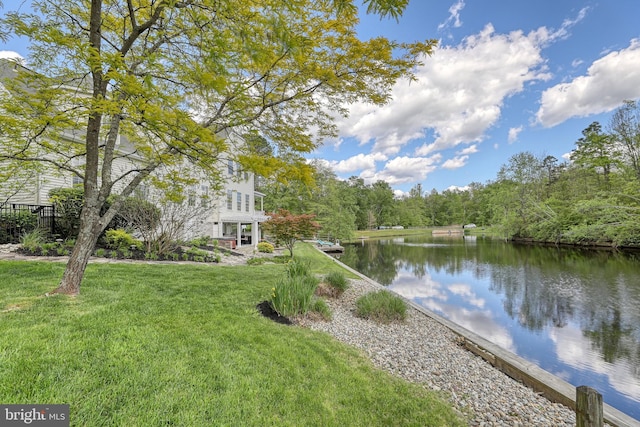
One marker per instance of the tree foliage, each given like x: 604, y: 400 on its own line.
x: 165, y: 83
x: 288, y: 228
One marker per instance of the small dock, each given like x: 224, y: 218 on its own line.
x: 329, y: 247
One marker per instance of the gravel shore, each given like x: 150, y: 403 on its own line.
x: 423, y: 351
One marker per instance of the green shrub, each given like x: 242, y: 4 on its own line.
x: 200, y: 241
x: 48, y: 248
x: 33, y: 240
x: 15, y: 223
x: 337, y: 280
x: 256, y: 261
x: 120, y: 239
x: 320, y: 307
x: 197, y: 252
x: 100, y: 253
x: 294, y: 296
x: 265, y: 247
x: 136, y: 214
x: 67, y: 203
x: 381, y: 306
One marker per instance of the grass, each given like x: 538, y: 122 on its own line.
x: 381, y: 306
x: 392, y: 232
x: 151, y: 345
x: 320, y: 263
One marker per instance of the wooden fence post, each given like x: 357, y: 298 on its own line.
x: 588, y: 407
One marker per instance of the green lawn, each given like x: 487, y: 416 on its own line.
x: 183, y: 345
x: 391, y: 233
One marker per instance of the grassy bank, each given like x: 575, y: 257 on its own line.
x: 391, y: 233
x: 150, y: 345
x: 479, y: 231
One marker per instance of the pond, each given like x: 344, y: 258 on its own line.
x: 575, y: 313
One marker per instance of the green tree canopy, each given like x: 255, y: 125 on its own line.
x: 177, y: 79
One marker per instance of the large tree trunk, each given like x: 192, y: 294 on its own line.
x: 90, y: 229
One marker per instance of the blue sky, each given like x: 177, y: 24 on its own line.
x: 507, y: 77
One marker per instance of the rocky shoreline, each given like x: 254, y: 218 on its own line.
x: 423, y: 351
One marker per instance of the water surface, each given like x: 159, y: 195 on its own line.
x: 574, y: 313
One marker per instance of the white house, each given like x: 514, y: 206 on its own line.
x: 237, y: 210
x: 232, y: 214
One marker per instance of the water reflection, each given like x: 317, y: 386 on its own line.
x: 574, y: 313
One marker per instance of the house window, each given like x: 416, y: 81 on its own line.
x: 204, y: 196
x: 76, y: 180
x: 247, y: 199
x: 239, y: 201
x: 230, y: 167
x: 246, y: 176
x: 191, y: 200
x: 229, y: 199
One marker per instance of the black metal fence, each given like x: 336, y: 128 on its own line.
x: 16, y: 219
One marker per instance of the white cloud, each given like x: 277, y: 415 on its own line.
x: 602, y: 89
x: 456, y: 188
x: 455, y: 163
x: 8, y: 54
x: 513, y: 134
x: 469, y: 150
x: 459, y: 93
x: 357, y: 162
x: 401, y: 170
x: 454, y: 16
x: 576, y: 63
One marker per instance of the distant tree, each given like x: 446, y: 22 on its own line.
x: 364, y: 217
x: 288, y: 228
x: 595, y: 151
x: 625, y: 131
x: 381, y: 203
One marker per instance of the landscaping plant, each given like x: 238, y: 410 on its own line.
x: 265, y: 247
x: 381, y: 306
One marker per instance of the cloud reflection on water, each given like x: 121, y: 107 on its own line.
x: 432, y: 295
x: 574, y: 350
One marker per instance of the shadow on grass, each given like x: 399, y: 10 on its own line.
x: 266, y: 309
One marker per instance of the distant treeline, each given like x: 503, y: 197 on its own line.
x: 591, y: 199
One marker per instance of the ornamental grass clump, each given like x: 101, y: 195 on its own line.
x: 293, y: 296
x: 381, y: 306
x: 337, y: 280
